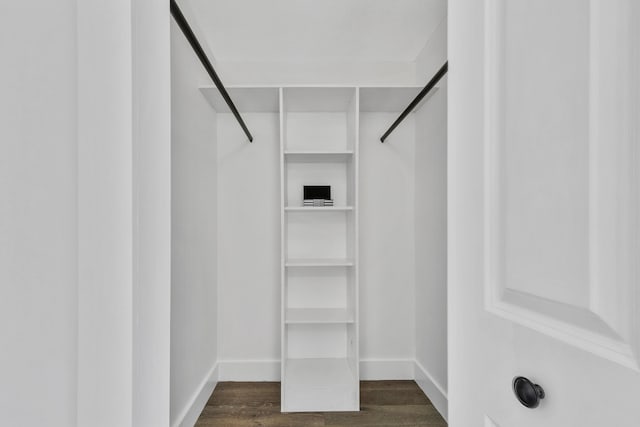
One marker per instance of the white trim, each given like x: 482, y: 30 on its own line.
x: 249, y: 370
x: 434, y: 390
x: 269, y: 370
x: 196, y: 404
x: 386, y: 369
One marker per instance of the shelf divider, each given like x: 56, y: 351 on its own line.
x: 318, y: 208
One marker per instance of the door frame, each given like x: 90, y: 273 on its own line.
x: 124, y: 212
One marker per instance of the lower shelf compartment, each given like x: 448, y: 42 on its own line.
x: 314, y: 385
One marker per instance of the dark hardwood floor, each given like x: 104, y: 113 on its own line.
x: 382, y: 403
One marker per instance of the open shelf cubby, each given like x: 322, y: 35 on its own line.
x: 319, y: 259
x: 323, y: 372
x: 332, y: 381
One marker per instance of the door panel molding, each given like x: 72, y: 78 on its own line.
x: 604, y: 321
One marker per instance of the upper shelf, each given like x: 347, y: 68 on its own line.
x: 307, y: 156
x: 246, y: 99
x: 314, y: 99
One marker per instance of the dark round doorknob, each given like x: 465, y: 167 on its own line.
x: 528, y: 393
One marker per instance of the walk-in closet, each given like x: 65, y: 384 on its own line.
x: 309, y: 207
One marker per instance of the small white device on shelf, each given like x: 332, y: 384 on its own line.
x: 318, y: 203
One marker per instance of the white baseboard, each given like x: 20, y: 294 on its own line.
x: 386, y: 369
x: 196, y: 404
x: 269, y: 370
x: 249, y: 370
x: 434, y: 391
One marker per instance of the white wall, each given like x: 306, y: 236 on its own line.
x: 249, y: 247
x: 387, y: 328
x: 105, y: 208
x: 431, y: 241
x: 194, y: 296
x: 249, y: 254
x: 123, y: 213
x: 433, y: 54
x: 151, y: 212
x: 38, y: 235
x: 318, y: 72
x: 84, y: 219
x: 431, y: 228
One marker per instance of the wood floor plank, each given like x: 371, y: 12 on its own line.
x: 248, y: 394
x: 388, y: 385
x: 391, y: 393
x: 266, y: 420
x: 382, y: 415
x: 383, y: 404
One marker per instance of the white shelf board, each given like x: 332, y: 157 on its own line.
x: 246, y: 99
x: 320, y: 385
x: 318, y: 156
x: 319, y: 262
x: 390, y: 99
x: 318, y: 315
x: 318, y: 208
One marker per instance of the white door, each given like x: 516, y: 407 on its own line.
x: 544, y: 228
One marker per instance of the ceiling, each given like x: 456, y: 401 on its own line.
x: 317, y: 30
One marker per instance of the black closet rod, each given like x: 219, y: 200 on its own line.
x: 193, y: 41
x: 434, y: 80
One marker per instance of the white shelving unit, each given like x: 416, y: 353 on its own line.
x: 319, y: 146
x: 319, y: 138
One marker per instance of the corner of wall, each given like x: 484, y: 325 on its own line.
x: 434, y: 391
x: 430, y: 371
x: 431, y: 251
x: 433, y: 54
x: 198, y: 401
x: 194, y: 302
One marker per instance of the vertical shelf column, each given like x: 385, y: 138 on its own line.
x: 353, y: 330
x: 319, y: 250
x: 283, y: 252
